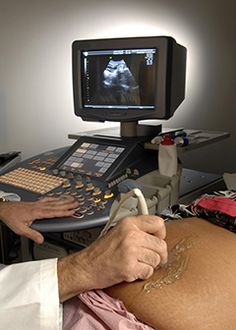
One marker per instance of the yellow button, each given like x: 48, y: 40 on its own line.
x: 108, y: 194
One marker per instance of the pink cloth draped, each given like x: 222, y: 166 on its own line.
x: 95, y: 310
x: 219, y: 204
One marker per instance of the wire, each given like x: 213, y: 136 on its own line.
x: 142, y: 207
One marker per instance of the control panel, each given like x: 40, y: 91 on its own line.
x: 89, y: 171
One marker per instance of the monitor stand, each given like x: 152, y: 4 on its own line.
x: 136, y: 130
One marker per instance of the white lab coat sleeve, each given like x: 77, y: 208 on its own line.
x: 29, y: 296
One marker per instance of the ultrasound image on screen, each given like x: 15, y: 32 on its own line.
x: 119, y: 78
x: 117, y: 74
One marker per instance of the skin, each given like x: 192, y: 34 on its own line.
x: 130, y: 251
x: 19, y: 216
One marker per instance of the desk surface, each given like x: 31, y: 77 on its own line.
x: 197, y: 138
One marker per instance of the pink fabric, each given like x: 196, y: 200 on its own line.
x: 224, y: 205
x: 95, y: 310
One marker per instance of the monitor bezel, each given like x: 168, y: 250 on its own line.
x: 162, y: 44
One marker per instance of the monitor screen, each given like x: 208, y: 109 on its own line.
x: 118, y: 78
x: 128, y: 79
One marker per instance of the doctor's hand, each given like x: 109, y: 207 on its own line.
x: 19, y: 216
x: 130, y: 251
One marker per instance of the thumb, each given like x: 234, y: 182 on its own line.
x: 34, y: 235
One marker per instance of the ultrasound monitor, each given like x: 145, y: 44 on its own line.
x: 128, y: 79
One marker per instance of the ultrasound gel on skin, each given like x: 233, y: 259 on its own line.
x: 167, y: 156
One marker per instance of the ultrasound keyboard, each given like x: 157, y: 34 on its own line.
x: 36, y: 182
x: 89, y: 171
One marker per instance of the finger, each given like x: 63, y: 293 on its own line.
x: 47, y: 199
x: 149, y: 258
x: 56, y: 200
x: 152, y: 225
x: 32, y: 234
x: 49, y: 214
x: 64, y: 203
x: 60, y: 205
x: 156, y: 245
x: 145, y: 271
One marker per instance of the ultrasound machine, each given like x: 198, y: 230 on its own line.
x: 125, y: 80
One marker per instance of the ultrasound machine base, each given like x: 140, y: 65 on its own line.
x: 91, y: 179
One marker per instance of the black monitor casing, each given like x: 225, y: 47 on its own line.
x: 170, y: 79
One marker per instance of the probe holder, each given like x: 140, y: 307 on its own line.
x: 164, y: 188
